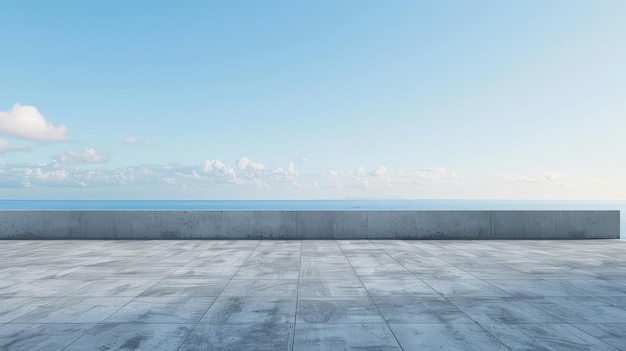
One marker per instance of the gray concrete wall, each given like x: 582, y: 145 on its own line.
x: 309, y: 225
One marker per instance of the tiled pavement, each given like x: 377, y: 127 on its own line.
x: 313, y: 295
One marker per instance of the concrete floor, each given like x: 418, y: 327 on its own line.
x: 313, y: 295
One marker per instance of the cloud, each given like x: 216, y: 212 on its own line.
x: 379, y: 171
x: 87, y: 155
x: 545, y: 177
x: 6, y: 147
x: 381, y: 177
x: 245, y: 163
x: 27, y: 123
x: 80, y: 169
x: 131, y: 140
x: 242, y: 163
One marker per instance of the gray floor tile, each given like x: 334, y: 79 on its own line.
x: 244, y: 337
x: 45, y: 288
x: 593, y: 287
x: 445, y: 337
x: 238, y: 309
x: 508, y: 310
x: 398, y: 287
x: 187, y: 287
x: 115, y: 288
x: 612, y: 334
x: 545, y: 337
x: 143, y: 272
x: 533, y: 288
x: 549, y: 294
x: 339, y: 337
x: 330, y: 288
x: 580, y: 309
x: 262, y: 287
x: 134, y: 336
x: 215, y: 271
x: 354, y: 310
x: 75, y: 310
x: 166, y: 310
x: 15, y: 307
x: 268, y: 271
x: 411, y: 310
x: 465, y: 287
x: 40, y: 337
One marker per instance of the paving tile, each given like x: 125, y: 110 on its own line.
x: 593, y: 287
x: 238, y: 309
x: 213, y: 271
x: 354, y: 310
x: 40, y: 337
x: 314, y: 271
x: 286, y: 288
x: 580, y: 309
x: 187, y: 287
x: 244, y: 337
x: 45, y: 288
x: 447, y: 336
x: 132, y: 336
x: 374, y: 337
x: 398, y: 287
x: 420, y: 310
x: 268, y: 271
x: 166, y: 310
x: 612, y: 334
x: 115, y: 287
x: 75, y: 310
x: 14, y: 307
x: 509, y: 310
x: 529, y: 288
x: 385, y: 271
x: 310, y: 288
x: 545, y: 337
x: 149, y: 294
x: 614, y: 300
x: 143, y: 272
x: 465, y: 287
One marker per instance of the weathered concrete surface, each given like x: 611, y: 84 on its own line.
x: 309, y: 225
x: 297, y: 295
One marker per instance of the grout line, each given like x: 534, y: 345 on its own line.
x: 295, y: 319
x: 369, y: 295
x: 445, y: 298
x: 218, y: 295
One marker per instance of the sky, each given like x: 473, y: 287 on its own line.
x: 313, y: 99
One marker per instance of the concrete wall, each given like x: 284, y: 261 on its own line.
x: 309, y: 225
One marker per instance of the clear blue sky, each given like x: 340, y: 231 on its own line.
x: 317, y: 99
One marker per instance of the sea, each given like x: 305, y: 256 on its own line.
x: 348, y: 205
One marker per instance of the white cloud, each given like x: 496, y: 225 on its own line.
x: 219, y: 169
x: 287, y: 182
x: 6, y: 146
x: 545, y: 177
x: 27, y: 123
x: 87, y: 155
x: 131, y: 140
x: 381, y: 177
x: 379, y: 171
x: 242, y: 163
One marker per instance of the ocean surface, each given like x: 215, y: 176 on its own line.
x: 351, y: 205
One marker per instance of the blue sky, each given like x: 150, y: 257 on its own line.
x: 312, y: 100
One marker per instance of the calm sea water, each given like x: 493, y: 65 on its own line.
x: 356, y: 205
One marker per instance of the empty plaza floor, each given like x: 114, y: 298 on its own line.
x: 312, y: 295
